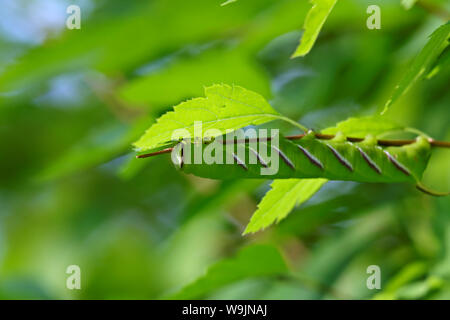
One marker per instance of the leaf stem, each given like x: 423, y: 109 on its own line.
x: 430, y: 192
x: 294, y: 123
x: 321, y: 136
x: 167, y: 150
x: 381, y: 142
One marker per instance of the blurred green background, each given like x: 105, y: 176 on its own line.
x: 71, y: 191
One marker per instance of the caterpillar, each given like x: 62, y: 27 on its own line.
x: 309, y: 157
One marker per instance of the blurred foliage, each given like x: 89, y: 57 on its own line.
x: 71, y: 192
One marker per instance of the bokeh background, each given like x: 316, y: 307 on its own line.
x: 71, y: 191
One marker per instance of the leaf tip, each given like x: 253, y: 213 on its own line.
x: 248, y: 230
x: 299, y: 53
x: 252, y: 228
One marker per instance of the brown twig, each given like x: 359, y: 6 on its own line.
x: 168, y: 150
x: 384, y: 143
x: 321, y: 136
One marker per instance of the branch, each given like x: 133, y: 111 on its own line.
x: 384, y: 143
x: 321, y: 136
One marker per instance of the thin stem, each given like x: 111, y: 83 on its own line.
x: 295, y: 123
x: 167, y: 150
x: 321, y: 136
x: 381, y: 142
x: 430, y: 192
x: 439, y: 144
x: 417, y: 132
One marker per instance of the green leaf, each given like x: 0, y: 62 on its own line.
x: 442, y: 64
x: 313, y: 24
x: 281, y: 199
x: 405, y: 276
x: 360, y: 127
x: 422, y: 63
x: 224, y: 107
x: 286, y: 194
x: 332, y: 255
x: 252, y: 261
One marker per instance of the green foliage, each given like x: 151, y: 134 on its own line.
x: 140, y: 24
x: 190, y: 75
x: 304, y: 159
x: 361, y: 127
x: 442, y: 64
x: 224, y: 108
x: 95, y: 149
x: 252, y: 261
x: 314, y: 21
x: 281, y: 199
x: 72, y: 192
x: 421, y: 65
x: 332, y: 256
x: 358, y: 127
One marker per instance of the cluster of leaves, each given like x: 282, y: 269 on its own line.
x: 230, y: 107
x: 72, y: 192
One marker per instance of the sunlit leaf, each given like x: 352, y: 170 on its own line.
x: 224, y: 107
x: 314, y: 21
x: 286, y: 194
x: 360, y: 127
x: 281, y: 199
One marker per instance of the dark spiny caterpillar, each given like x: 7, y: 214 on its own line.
x: 309, y: 157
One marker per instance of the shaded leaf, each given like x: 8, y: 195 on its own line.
x: 153, y: 27
x: 186, y: 77
x: 333, y: 254
x: 442, y: 64
x: 101, y: 146
x: 252, y: 261
x: 401, y: 279
x: 421, y: 65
